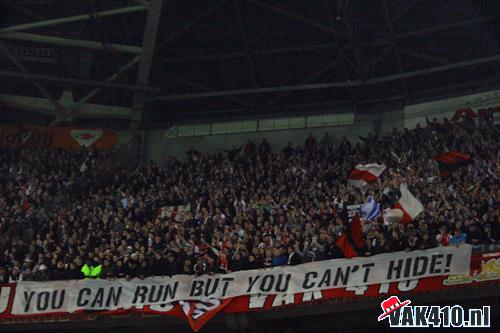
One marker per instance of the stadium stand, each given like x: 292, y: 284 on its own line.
x: 241, y: 209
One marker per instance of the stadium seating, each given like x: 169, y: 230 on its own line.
x: 248, y: 208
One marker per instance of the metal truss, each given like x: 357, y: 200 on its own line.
x: 143, y: 56
x: 83, y: 44
x: 58, y: 107
x: 73, y: 110
x: 363, y: 68
x: 146, y: 58
x: 314, y: 86
x: 348, y: 54
x: 78, y: 82
x: 72, y: 19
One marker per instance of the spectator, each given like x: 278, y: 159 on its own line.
x: 245, y: 209
x: 249, y: 148
x: 311, y: 143
x: 294, y: 257
x: 458, y: 238
x: 59, y: 273
x: 279, y: 259
x: 4, y: 275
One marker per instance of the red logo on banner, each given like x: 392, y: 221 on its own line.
x: 390, y: 305
x: 198, y: 313
x: 86, y: 137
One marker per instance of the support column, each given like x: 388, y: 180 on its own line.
x: 143, y: 75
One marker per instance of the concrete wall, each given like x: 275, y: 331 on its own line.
x: 160, y: 147
x: 446, y: 108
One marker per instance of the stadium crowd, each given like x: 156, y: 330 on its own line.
x: 249, y: 208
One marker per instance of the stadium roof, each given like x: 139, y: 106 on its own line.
x: 184, y: 60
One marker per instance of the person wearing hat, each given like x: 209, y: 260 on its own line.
x: 41, y: 274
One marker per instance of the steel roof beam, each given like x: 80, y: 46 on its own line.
x: 314, y: 86
x: 246, y: 47
x: 192, y: 23
x: 424, y: 56
x: 449, y: 26
x: 403, y: 11
x: 336, y: 41
x: 196, y: 85
x: 71, y: 19
x: 146, y: 58
x: 379, y: 59
x: 81, y: 82
x: 73, y: 110
x: 238, y: 55
x: 59, y: 109
x: 311, y: 77
x: 393, y: 41
x: 291, y: 15
x: 85, y: 44
x: 361, y: 62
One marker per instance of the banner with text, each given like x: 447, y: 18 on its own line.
x: 71, y: 296
x: 484, y: 270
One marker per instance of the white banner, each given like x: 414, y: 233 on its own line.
x: 70, y: 296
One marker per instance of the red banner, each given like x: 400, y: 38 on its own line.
x: 57, y: 137
x: 485, y: 268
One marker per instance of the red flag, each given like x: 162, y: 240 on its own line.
x: 199, y: 313
x: 451, y: 161
x: 343, y: 243
x: 356, y: 233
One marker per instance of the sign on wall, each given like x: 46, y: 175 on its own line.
x: 57, y: 137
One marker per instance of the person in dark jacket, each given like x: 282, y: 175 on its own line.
x: 143, y: 270
x: 158, y: 265
x: 120, y: 269
x: 236, y: 263
x: 108, y: 270
x: 60, y: 272
x: 171, y: 268
x: 294, y: 257
x: 74, y: 273
x: 4, y: 275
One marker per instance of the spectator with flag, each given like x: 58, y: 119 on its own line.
x: 363, y: 175
x: 370, y: 210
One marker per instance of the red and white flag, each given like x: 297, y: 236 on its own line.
x: 366, y: 174
x: 408, y: 204
x: 198, y: 313
x: 176, y: 213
